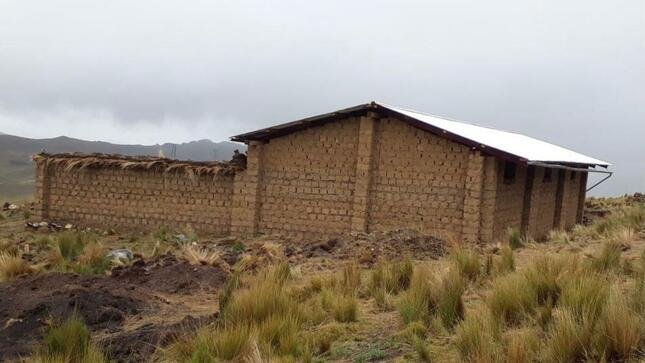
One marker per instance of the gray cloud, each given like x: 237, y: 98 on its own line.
x: 570, y: 72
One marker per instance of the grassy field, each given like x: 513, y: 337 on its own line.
x: 579, y: 296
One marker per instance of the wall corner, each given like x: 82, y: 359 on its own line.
x: 364, y: 168
x: 245, y: 211
x: 473, y: 188
x: 43, y: 189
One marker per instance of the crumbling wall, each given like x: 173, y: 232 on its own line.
x: 307, y: 180
x: 112, y: 197
x: 418, y: 181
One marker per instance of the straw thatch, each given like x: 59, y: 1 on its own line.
x: 192, y: 169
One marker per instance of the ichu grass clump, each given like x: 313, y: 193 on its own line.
x: 69, y: 342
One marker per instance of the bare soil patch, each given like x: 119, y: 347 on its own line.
x: 30, y: 304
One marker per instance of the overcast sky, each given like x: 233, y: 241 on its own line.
x: 569, y: 72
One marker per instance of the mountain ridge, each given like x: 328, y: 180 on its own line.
x: 17, y: 170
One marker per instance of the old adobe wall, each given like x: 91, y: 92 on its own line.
x: 359, y: 174
x: 141, y: 199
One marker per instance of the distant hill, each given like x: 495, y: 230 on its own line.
x: 17, y: 169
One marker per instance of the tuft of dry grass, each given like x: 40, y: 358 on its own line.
x: 345, y: 308
x: 609, y: 257
x: 92, y: 260
x: 569, y: 339
x: 545, y: 274
x: 506, y: 262
x: 69, y: 342
x: 262, y: 319
x: 477, y: 338
x: 520, y: 346
x: 208, y: 345
x: 625, y: 236
x: 467, y: 262
x: 12, y: 266
x: 200, y: 256
x: 620, y: 330
x: 418, y: 303
x: 585, y: 295
x: 9, y: 248
x: 394, y: 277
x: 512, y: 299
x: 450, y: 304
x: 423, y: 350
x: 559, y: 236
x: 71, y: 244
x: 351, y: 279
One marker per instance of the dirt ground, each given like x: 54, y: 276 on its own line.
x: 147, y: 300
x: 134, y: 309
x: 137, y: 308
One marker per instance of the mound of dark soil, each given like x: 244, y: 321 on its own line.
x: 171, y: 275
x: 29, y: 305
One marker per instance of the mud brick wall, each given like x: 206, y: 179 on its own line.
x: 358, y: 174
x: 509, y: 201
x: 308, y: 180
x: 571, y: 193
x: 145, y: 200
x: 418, y: 181
x: 541, y: 207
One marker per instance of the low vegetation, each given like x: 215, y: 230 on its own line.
x: 578, y: 296
x: 68, y: 342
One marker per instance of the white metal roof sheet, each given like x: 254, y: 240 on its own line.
x: 511, y: 142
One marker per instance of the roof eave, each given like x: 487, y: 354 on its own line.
x: 281, y: 129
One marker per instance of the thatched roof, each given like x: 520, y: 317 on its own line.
x: 79, y: 161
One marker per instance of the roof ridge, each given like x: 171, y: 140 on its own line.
x: 452, y: 119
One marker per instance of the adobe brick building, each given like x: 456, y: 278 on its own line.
x: 366, y: 168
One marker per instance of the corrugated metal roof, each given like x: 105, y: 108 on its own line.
x: 520, y: 145
x: 504, y: 143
